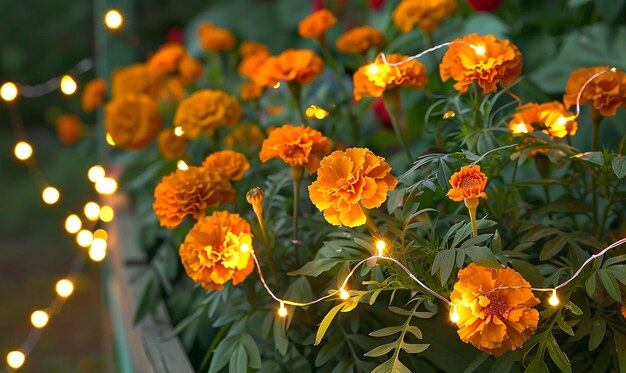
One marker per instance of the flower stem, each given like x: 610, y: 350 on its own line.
x: 472, y: 204
x: 392, y: 103
x: 296, y: 172
x: 295, y: 90
x: 596, y: 119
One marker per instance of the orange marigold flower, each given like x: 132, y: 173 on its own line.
x: 228, y: 163
x: 360, y: 39
x: 483, y: 59
x: 494, y: 320
x: 469, y: 182
x: 190, y: 69
x: 166, y: 59
x: 134, y: 78
x: 348, y: 181
x: 215, y: 39
x: 374, y: 79
x: 69, y: 128
x: 249, y: 48
x: 250, y: 91
x: 212, y: 251
x: 172, y: 89
x: 244, y: 136
x: 551, y: 118
x: 93, y: 94
x: 189, y: 192
x: 293, y: 65
x: 296, y: 146
x: 171, y: 146
x: 205, y: 111
x: 132, y: 120
x: 249, y: 65
x: 607, y: 92
x: 315, y: 25
x: 425, y: 14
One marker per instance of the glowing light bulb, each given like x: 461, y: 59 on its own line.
x: 113, y: 19
x: 343, y: 294
x: 454, y: 316
x: 23, y: 150
x: 73, y: 224
x: 310, y: 111
x: 282, y: 311
x: 449, y: 114
x: 554, y: 300
x: 97, y: 253
x: 50, y: 195
x: 64, y: 288
x: 519, y: 128
x: 15, y: 359
x: 276, y: 86
x: 244, y: 247
x: 373, y: 69
x: 561, y: 121
x: 109, y: 139
x: 320, y: 113
x: 178, y: 131
x: 380, y: 246
x: 96, y: 173
x: 92, y: 211
x: 181, y: 165
x: 68, y: 85
x: 39, y: 319
x: 613, y: 69
x: 479, y: 49
x: 106, y: 186
x: 8, y: 91
x: 106, y: 214
x: 84, y: 238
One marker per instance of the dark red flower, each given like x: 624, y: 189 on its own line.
x: 484, y: 5
x: 175, y: 35
x: 382, y: 115
x: 318, y: 4
x: 376, y: 4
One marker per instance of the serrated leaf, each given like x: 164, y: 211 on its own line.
x: 414, y: 348
x: 619, y: 166
x: 382, y: 349
x: 386, y: 331
x: 326, y: 323
x: 598, y: 330
x: 610, y: 284
x: 558, y: 356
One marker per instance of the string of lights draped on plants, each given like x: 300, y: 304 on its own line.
x: 94, y: 241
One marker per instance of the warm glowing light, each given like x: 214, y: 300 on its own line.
x: 84, y: 238
x: 92, y: 210
x: 106, y: 214
x: 110, y: 139
x: 276, y: 86
x: 373, y: 69
x: 343, y: 294
x: 244, y: 247
x: 282, y: 311
x: 106, y: 186
x: 613, y: 69
x: 100, y: 233
x: 310, y: 111
x: 182, y: 165
x: 554, y: 300
x: 449, y: 114
x: 113, y: 19
x: 480, y: 50
x: 50, y: 195
x: 95, y: 173
x: 98, y: 244
x: 321, y: 113
x: 561, y: 121
x: 519, y: 128
x: 178, y: 131
x: 68, y: 85
x: 64, y: 288
x: 39, y: 319
x: 97, y: 253
x: 73, y: 224
x: 454, y: 317
x: 15, y: 359
x: 8, y: 91
x: 380, y: 246
x: 23, y: 150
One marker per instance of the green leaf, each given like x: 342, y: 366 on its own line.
x: 223, y: 353
x: 444, y: 261
x: 553, y: 247
x: 395, y: 199
x: 382, y: 349
x: 564, y: 326
x: 391, y: 366
x: 328, y: 352
x: 620, y: 346
x: 528, y: 271
x: 476, y: 363
x: 619, y: 166
x: 253, y: 351
x: 574, y: 308
x: 414, y: 330
x: 610, y: 284
x: 537, y: 366
x: 150, y: 297
x: 558, y: 356
x: 619, y: 272
x: 326, y: 323
x: 598, y: 329
x: 592, y: 157
x: 481, y: 255
x: 238, y: 360
x: 316, y: 267
x: 280, y: 337
x: 590, y: 284
x: 609, y: 9
x: 386, y: 331
x: 399, y: 311
x: 414, y: 348
x: 486, y: 23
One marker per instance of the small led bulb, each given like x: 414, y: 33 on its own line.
x: 39, y: 319
x: 64, y: 288
x: 15, y: 359
x: 282, y: 311
x: 380, y: 246
x: 554, y: 300
x: 343, y: 294
x: 244, y: 247
x: 454, y: 316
